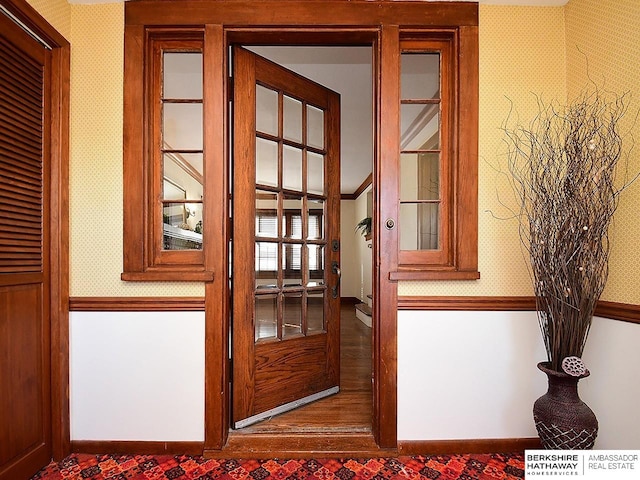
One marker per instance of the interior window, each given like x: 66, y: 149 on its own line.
x: 171, y: 204
x: 430, y: 179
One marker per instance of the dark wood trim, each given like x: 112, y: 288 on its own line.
x: 136, y: 447
x: 409, y: 275
x: 59, y: 95
x: 363, y: 186
x: 466, y: 303
x: 136, y: 304
x: 59, y: 251
x: 309, y: 12
x: 217, y: 302
x: 170, y: 275
x: 385, y: 244
x: 613, y: 310
x: 450, y: 447
x: 625, y: 312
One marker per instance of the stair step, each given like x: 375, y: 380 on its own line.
x: 363, y: 313
x: 364, y: 308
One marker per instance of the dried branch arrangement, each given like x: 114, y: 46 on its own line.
x: 563, y: 168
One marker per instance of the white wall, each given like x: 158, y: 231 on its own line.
x: 364, y: 253
x: 473, y: 375
x: 612, y: 390
x: 349, y: 266
x: 461, y: 375
x: 137, y: 376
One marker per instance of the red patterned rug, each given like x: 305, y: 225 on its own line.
x: 145, y: 467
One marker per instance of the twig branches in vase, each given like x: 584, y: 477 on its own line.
x: 563, y: 169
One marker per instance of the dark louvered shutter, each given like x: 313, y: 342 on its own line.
x: 21, y: 190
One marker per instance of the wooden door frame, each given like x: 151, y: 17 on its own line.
x: 58, y: 255
x: 384, y: 331
x: 295, y: 22
x: 312, y: 359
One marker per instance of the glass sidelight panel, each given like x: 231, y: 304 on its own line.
x: 186, y: 170
x: 266, y: 312
x: 420, y: 75
x: 420, y: 156
x: 291, y: 314
x: 182, y: 126
x: 181, y: 149
x: 419, y: 226
x: 182, y: 75
x: 420, y: 127
x: 420, y: 179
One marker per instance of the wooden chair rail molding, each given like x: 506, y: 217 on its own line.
x: 613, y: 310
x: 616, y: 311
x: 136, y: 304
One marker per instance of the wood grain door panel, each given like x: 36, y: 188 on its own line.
x: 25, y: 356
x: 295, y: 358
x: 24, y: 367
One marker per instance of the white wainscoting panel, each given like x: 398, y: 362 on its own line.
x: 137, y: 376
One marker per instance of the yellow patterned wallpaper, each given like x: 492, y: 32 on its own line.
x: 96, y: 158
x: 603, y: 43
x: 57, y: 13
x: 521, y: 53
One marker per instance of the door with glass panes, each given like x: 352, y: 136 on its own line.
x: 286, y: 246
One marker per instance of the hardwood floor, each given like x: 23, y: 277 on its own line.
x: 349, y: 411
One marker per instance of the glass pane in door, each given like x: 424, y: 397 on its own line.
x: 266, y: 110
x: 315, y: 312
x: 290, y: 200
x: 292, y: 168
x: 315, y: 173
x: 292, y: 123
x: 315, y: 127
x: 292, y: 314
x: 266, y: 311
x: 266, y: 214
x: 266, y: 162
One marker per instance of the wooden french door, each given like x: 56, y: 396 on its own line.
x: 25, y: 372
x: 286, y: 245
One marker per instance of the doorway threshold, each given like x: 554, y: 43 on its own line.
x: 300, y: 445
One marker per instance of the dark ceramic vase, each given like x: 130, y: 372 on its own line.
x: 563, y: 421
